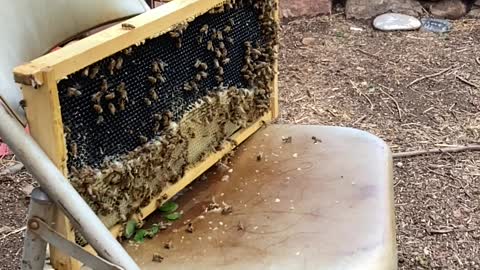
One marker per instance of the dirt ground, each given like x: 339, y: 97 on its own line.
x: 415, y: 90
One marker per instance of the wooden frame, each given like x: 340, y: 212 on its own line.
x: 40, y: 77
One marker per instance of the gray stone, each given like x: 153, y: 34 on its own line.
x: 396, y: 22
x: 448, y: 9
x: 367, y: 9
x: 436, y: 25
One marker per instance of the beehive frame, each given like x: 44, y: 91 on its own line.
x: 39, y: 85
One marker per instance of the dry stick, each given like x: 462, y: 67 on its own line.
x: 473, y: 147
x: 429, y: 76
x: 465, y: 81
x: 362, y: 94
x: 394, y: 101
x: 14, y: 232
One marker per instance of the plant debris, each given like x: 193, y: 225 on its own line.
x: 157, y: 258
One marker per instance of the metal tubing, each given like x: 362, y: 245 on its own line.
x: 34, y: 247
x: 54, y: 183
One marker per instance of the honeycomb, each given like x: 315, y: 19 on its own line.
x: 138, y: 119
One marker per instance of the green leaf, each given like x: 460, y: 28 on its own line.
x: 130, y: 229
x: 152, y: 231
x: 168, y: 207
x: 173, y: 216
x: 140, y: 236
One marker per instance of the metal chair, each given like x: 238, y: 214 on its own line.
x: 323, y: 203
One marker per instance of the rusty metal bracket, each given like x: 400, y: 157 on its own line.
x: 42, y: 230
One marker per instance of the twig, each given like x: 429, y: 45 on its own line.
x: 14, y: 232
x: 437, y: 151
x: 429, y: 76
x: 362, y: 94
x: 465, y: 81
x: 394, y: 101
x: 367, y: 53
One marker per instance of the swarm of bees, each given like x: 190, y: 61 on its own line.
x: 122, y: 184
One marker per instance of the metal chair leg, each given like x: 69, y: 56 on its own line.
x: 34, y: 247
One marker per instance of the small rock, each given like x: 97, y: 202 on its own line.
x: 168, y: 245
x: 367, y: 9
x: 225, y: 178
x: 448, y: 9
x: 295, y: 155
x: 435, y: 25
x: 157, y: 258
x: 308, y: 41
x: 277, y: 200
x: 399, y: 164
x: 474, y: 13
x: 396, y: 22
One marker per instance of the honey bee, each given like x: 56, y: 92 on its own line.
x: 119, y: 63
x: 142, y: 139
x: 94, y: 72
x: 147, y: 101
x: 256, y: 51
x: 200, y: 39
x: 215, y: 63
x: 96, y: 97
x: 210, y: 45
x: 224, y: 52
x: 121, y: 104
x: 219, y: 35
x: 163, y: 66
x: 231, y: 22
x: 98, y: 108
x: 104, y: 85
x: 100, y: 119
x: 204, y: 29
x: 121, y: 90
x: 227, y: 29
x: 198, y: 77
x: 73, y: 92
x: 221, y: 45
x: 166, y: 118
x: 110, y: 96
x: 157, y: 117
x: 112, y: 108
x: 194, y: 86
x: 230, y: 40
x: 74, y: 149
x: 178, y: 44
x: 220, y: 71
x: 152, y: 79
x: 111, y: 66
x: 153, y: 94
x: 197, y: 63
x: 226, y: 61
x: 85, y: 72
x: 203, y: 74
x: 128, y: 26
x: 155, y: 67
x: 187, y: 87
x: 218, y: 78
x: 128, y: 51
x: 160, y: 77
x: 218, y: 53
x: 156, y: 127
x: 174, y: 34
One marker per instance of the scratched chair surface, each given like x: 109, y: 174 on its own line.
x: 300, y: 205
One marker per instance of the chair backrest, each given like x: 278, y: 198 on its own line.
x: 31, y: 28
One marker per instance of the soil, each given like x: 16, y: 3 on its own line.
x: 332, y: 73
